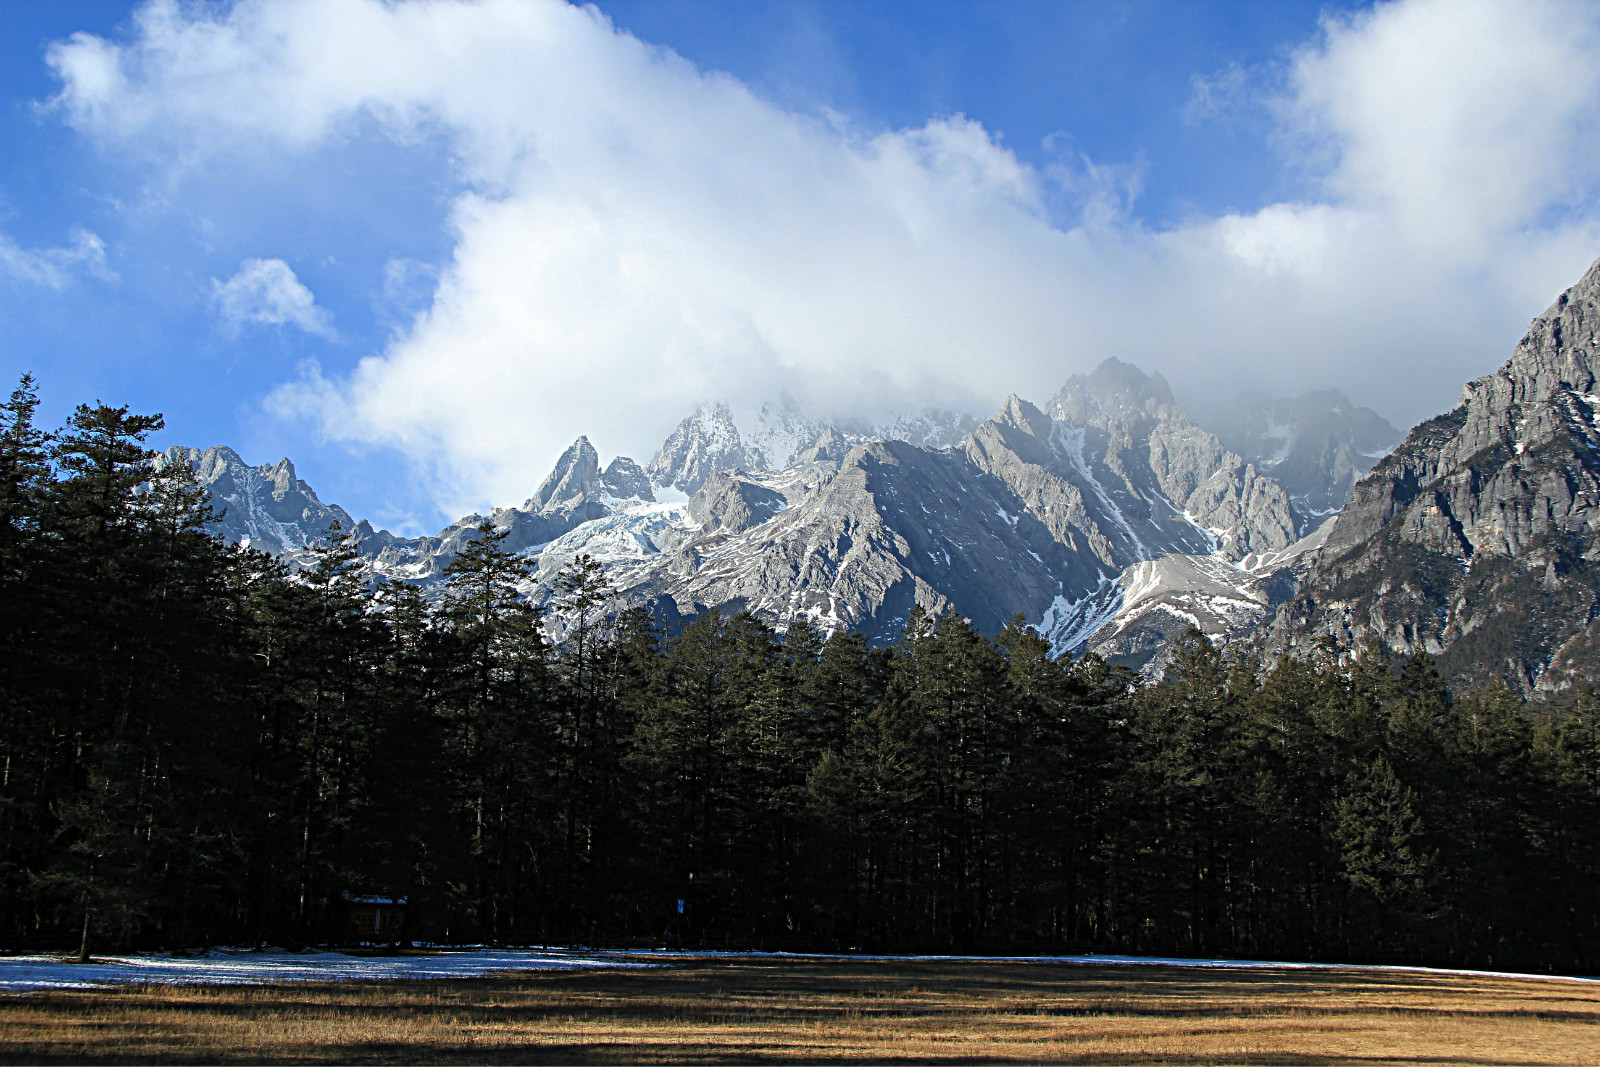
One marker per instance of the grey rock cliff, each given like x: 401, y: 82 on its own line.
x: 1477, y: 539
x: 778, y: 434
x: 1316, y: 445
x: 1045, y: 512
x: 1143, y: 499
x: 892, y: 527
x: 932, y: 428
x: 731, y: 504
x: 712, y: 440
x: 1156, y: 466
x: 1135, y: 620
x: 267, y: 506
x: 575, y: 492
x: 573, y: 483
x: 703, y: 444
x: 626, y: 480
x: 1030, y: 513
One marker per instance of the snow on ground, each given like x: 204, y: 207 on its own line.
x: 242, y: 967
x: 1147, y: 961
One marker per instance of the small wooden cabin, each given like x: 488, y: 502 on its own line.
x: 373, y: 919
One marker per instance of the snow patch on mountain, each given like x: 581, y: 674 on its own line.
x: 1069, y: 624
x: 1135, y: 618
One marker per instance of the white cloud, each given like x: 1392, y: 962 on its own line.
x: 408, y: 284
x: 266, y: 292
x: 1220, y: 95
x: 638, y: 235
x: 55, y: 268
x: 1462, y: 120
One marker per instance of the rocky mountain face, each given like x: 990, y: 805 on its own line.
x: 933, y: 428
x: 1030, y: 513
x: 1108, y: 517
x: 1189, y: 533
x: 1135, y: 620
x: 576, y: 491
x: 1040, y: 511
x: 703, y: 444
x: 855, y: 543
x: 1164, y: 470
x: 1316, y: 445
x: 777, y: 434
x: 1477, y: 540
x: 267, y: 507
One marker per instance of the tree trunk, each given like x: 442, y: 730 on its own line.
x: 83, y: 944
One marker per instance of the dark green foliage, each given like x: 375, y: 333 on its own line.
x: 199, y: 747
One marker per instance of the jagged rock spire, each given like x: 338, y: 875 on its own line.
x: 576, y: 478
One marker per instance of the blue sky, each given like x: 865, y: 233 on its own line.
x: 418, y: 248
x: 1111, y: 79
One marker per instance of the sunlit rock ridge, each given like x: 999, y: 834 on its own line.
x: 1477, y: 540
x: 1108, y: 518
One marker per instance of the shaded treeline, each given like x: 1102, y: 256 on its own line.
x: 197, y: 748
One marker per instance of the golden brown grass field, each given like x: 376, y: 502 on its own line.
x: 766, y: 1010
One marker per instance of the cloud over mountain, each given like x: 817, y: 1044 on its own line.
x: 633, y: 235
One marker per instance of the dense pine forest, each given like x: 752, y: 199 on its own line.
x: 197, y: 747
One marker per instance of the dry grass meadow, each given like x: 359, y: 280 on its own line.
x: 764, y: 1010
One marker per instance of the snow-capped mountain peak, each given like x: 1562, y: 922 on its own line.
x: 576, y: 478
x: 1088, y: 514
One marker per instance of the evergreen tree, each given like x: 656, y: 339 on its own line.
x: 582, y: 736
x: 1382, y: 847
x: 497, y: 719
x: 25, y: 485
x: 405, y: 841
x: 1187, y: 732
x: 25, y: 479
x: 947, y: 687
x: 94, y: 593
x: 1566, y: 761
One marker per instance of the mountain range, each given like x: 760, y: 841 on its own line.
x: 1477, y: 540
x: 1108, y: 517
